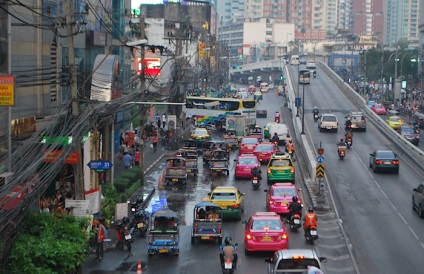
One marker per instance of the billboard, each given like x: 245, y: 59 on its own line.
x: 151, y: 66
x: 7, y: 90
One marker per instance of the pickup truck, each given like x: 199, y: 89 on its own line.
x: 328, y: 121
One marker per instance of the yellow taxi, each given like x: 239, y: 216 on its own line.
x: 229, y: 199
x: 394, y: 122
x: 200, y: 134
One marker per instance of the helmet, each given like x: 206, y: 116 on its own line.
x: 228, y: 240
x: 341, y: 139
x: 275, y: 133
x: 290, y: 141
x: 294, y: 199
x: 315, y: 107
x: 125, y: 220
x: 310, y: 209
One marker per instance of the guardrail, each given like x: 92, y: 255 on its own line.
x: 416, y: 154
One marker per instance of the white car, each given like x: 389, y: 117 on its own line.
x: 328, y: 121
x: 311, y: 64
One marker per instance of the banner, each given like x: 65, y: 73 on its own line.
x: 93, y: 196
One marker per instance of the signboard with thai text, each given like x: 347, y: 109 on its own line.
x: 7, y: 90
x: 51, y: 156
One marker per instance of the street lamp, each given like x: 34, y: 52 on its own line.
x: 298, y: 87
x: 303, y: 103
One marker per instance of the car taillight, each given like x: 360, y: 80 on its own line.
x: 378, y: 162
x: 268, y: 171
x: 395, y: 162
x: 283, y: 236
x: 235, y: 206
x: 292, y: 170
x: 271, y: 202
x: 248, y: 236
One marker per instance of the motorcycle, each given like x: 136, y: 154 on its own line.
x: 348, y: 126
x: 311, y: 235
x: 140, y: 219
x: 256, y: 182
x: 348, y: 142
x: 227, y: 265
x: 316, y: 117
x: 123, y: 234
x: 277, y: 119
x: 295, y: 222
x: 341, y: 150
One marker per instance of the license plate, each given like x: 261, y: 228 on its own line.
x: 175, y: 179
x: 205, y: 237
x: 250, y: 147
x: 163, y: 250
x: 387, y: 163
x: 296, y: 221
x: 329, y: 127
x: 255, y: 181
x: 128, y: 237
x: 284, y: 204
x: 218, y: 170
x: 313, y: 232
x: 266, y: 239
x: 188, y: 170
x: 247, y: 169
x: 261, y: 154
x: 140, y: 225
x: 223, y: 207
x: 228, y: 265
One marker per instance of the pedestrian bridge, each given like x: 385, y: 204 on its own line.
x: 258, y: 66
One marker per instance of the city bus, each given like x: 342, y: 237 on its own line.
x: 304, y: 76
x: 213, y: 111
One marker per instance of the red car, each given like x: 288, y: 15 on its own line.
x: 245, y: 164
x: 279, y: 197
x: 379, y: 109
x: 265, y: 231
x: 264, y: 152
x: 248, y: 145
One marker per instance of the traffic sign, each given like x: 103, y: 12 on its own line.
x: 320, y: 159
x: 99, y: 165
x: 297, y: 102
x: 320, y: 151
x: 320, y: 170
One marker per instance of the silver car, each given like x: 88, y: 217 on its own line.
x: 294, y: 261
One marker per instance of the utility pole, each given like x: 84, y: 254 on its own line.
x: 142, y: 92
x: 74, y: 97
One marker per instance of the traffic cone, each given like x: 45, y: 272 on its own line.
x: 139, y: 270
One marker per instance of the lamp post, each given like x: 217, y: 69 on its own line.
x: 303, y: 105
x: 298, y: 87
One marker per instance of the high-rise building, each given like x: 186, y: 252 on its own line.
x: 230, y: 9
x: 401, y: 21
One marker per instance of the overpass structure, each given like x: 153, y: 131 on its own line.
x: 257, y: 67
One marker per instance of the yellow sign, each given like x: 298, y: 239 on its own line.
x: 7, y: 90
x: 201, y: 49
x: 320, y: 170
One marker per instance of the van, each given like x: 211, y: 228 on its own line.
x: 264, y: 87
x: 281, y: 130
x: 294, y: 60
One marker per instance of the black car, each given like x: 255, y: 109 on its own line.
x: 384, y: 160
x: 261, y: 113
x: 418, y: 200
x: 410, y: 134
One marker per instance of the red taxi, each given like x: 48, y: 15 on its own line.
x: 264, y: 151
x: 248, y: 145
x: 265, y: 232
x: 279, y: 197
x: 244, y: 165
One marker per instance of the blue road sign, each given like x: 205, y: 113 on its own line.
x: 99, y: 165
x: 320, y: 159
x: 297, y: 102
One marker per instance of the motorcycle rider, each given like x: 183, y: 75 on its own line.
x: 124, y: 230
x: 294, y: 208
x: 341, y: 143
x: 315, y: 111
x: 314, y: 73
x: 228, y: 252
x: 310, y: 220
x: 277, y: 116
x: 290, y: 147
x: 348, y: 124
x: 275, y: 138
x: 256, y: 171
x: 348, y: 135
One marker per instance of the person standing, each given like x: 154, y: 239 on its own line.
x: 155, y: 142
x: 163, y: 120
x: 127, y: 159
x: 137, y: 157
x: 157, y: 119
x: 101, y: 234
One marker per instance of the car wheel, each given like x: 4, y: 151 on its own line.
x: 397, y: 171
x: 370, y: 165
x: 374, y: 169
x: 193, y: 240
x: 420, y: 211
x: 413, y: 203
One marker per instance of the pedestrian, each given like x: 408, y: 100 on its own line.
x: 155, y: 142
x: 101, y: 234
x: 127, y: 159
x: 157, y: 119
x: 163, y: 120
x: 137, y: 157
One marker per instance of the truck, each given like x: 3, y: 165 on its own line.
x: 237, y: 123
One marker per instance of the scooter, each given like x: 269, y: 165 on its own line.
x: 123, y: 235
x: 294, y: 222
x: 227, y: 266
x: 348, y: 142
x: 316, y: 117
x: 256, y: 182
x: 277, y: 119
x: 341, y: 150
x: 311, y: 235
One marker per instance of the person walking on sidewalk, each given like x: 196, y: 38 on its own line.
x: 164, y: 120
x: 157, y: 119
x: 137, y: 157
x: 127, y: 159
x: 101, y: 234
x: 155, y: 142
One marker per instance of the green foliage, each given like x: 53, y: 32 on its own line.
x: 133, y: 188
x: 46, y: 244
x: 121, y: 184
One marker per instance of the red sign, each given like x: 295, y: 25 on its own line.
x: 320, y: 151
x: 51, y: 156
x: 151, y: 67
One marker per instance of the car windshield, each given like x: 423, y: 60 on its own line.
x: 249, y: 141
x: 287, y: 264
x: 287, y: 192
x: 224, y: 196
x: 263, y: 148
x: 385, y: 154
x: 280, y: 162
x: 266, y: 225
x: 408, y: 130
x: 378, y: 106
x: 394, y: 119
x: 329, y: 118
x: 247, y: 161
x: 199, y: 132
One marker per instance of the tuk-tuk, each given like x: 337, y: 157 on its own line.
x: 257, y: 95
x: 219, y: 162
x: 191, y: 160
x: 210, y: 147
x: 163, y: 233
x: 175, y: 171
x: 231, y: 138
x: 207, y: 222
x: 256, y: 132
x: 266, y: 129
x: 189, y: 144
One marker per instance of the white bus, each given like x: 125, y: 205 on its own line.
x: 294, y: 60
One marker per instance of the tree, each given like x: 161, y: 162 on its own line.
x: 48, y: 243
